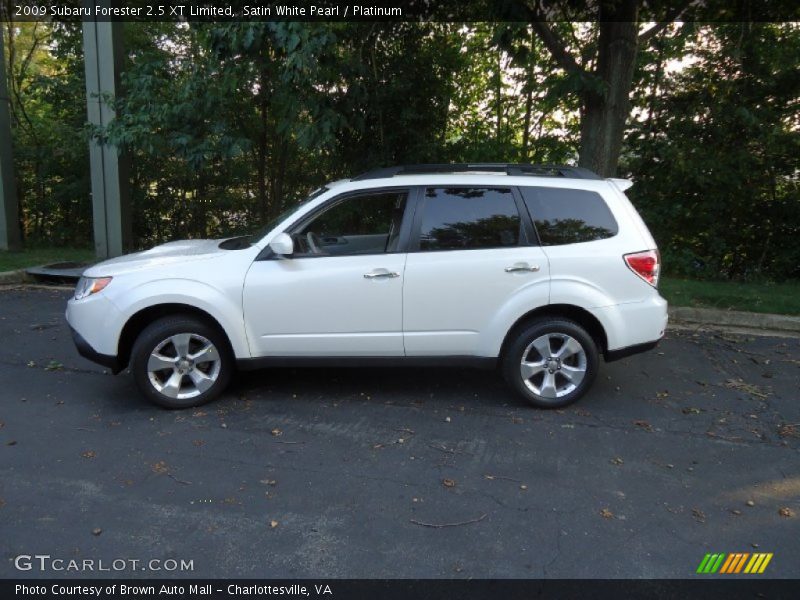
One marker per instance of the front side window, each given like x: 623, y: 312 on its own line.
x: 366, y: 223
x: 564, y: 216
x: 469, y: 219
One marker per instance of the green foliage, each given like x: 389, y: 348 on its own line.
x: 45, y: 75
x: 228, y: 124
x: 716, y: 160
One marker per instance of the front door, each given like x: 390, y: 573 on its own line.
x: 340, y: 293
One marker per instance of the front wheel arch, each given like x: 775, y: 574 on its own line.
x: 140, y: 320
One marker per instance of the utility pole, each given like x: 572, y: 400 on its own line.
x: 103, y: 56
x: 10, y: 237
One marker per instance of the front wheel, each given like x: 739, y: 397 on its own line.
x: 181, y: 362
x: 551, y: 362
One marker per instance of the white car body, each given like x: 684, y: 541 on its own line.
x: 455, y: 303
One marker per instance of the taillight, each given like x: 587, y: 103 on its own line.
x: 645, y: 264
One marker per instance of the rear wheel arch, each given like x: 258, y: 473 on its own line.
x: 141, y: 319
x: 579, y: 315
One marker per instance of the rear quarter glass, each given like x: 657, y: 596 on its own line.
x: 589, y: 270
x: 636, y: 219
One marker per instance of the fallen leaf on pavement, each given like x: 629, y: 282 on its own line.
x: 448, y: 483
x: 606, y: 514
x: 699, y: 515
x: 785, y: 511
x: 160, y: 467
x: 742, y: 386
x: 276, y: 432
x: 88, y: 454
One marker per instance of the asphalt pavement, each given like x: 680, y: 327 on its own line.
x: 689, y: 449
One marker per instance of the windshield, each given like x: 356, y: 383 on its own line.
x: 244, y: 241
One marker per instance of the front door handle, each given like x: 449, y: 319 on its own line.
x: 519, y: 267
x: 381, y: 273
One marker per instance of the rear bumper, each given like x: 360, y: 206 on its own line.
x: 633, y: 324
x: 612, y: 355
x: 85, y: 350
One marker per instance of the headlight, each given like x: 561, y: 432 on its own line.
x: 90, y: 285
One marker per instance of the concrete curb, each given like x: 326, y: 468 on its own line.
x: 18, y: 276
x: 734, y: 318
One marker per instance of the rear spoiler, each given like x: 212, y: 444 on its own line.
x: 622, y: 184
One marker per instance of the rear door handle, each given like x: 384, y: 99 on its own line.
x: 381, y: 273
x: 522, y: 267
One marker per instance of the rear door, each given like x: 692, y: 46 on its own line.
x: 470, y: 252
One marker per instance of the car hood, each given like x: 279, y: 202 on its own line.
x: 163, y: 255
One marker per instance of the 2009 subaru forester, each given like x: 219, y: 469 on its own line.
x: 535, y: 269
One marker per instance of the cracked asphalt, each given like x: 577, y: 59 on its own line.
x: 689, y: 449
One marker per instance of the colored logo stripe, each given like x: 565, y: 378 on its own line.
x: 710, y: 563
x: 735, y: 562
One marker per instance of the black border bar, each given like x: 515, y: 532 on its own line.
x: 727, y: 588
x: 708, y: 11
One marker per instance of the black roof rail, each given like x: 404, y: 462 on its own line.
x: 507, y: 168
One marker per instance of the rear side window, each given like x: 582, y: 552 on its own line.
x: 469, y: 219
x: 564, y: 216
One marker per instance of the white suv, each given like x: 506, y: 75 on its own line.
x: 535, y: 269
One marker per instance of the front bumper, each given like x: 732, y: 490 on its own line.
x: 86, y: 351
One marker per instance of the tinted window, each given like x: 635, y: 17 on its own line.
x: 469, y: 218
x: 565, y: 216
x: 362, y: 224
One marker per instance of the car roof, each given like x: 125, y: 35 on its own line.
x: 472, y: 178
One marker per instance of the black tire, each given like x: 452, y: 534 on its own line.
x: 186, y: 373
x: 563, y: 373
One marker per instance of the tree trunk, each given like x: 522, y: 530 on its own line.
x: 261, y: 151
x: 498, y: 83
x: 526, y: 126
x: 605, y: 112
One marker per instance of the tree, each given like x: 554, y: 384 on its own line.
x: 716, y: 166
x: 603, y: 72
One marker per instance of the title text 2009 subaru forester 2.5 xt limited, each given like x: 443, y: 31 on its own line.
x: 536, y: 269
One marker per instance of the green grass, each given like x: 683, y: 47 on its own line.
x: 779, y: 298
x: 10, y: 261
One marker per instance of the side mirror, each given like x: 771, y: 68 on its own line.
x: 282, y: 245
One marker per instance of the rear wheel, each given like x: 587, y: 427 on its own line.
x: 551, y: 362
x: 180, y: 362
